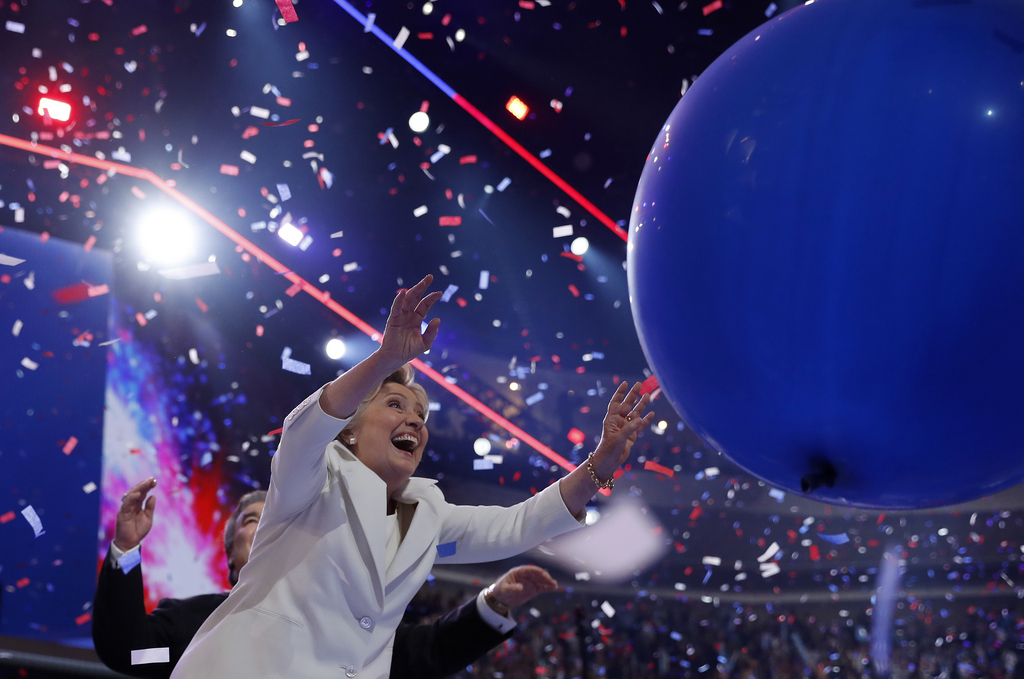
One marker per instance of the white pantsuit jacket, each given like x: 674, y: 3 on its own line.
x: 314, y: 600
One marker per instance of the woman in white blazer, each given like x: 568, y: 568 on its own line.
x: 347, y: 537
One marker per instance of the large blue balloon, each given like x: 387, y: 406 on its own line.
x: 826, y: 251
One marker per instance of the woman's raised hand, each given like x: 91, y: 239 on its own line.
x: 623, y: 422
x: 403, y: 340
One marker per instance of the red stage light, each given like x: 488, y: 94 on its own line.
x: 58, y: 110
x: 517, y: 107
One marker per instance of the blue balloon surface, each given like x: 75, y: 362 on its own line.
x: 826, y: 251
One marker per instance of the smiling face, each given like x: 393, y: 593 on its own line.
x: 391, y: 435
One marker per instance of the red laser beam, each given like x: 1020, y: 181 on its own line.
x: 306, y: 286
x: 541, y: 167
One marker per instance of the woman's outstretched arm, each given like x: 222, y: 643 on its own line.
x: 622, y: 423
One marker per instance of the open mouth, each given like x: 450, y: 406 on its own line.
x: 406, y: 443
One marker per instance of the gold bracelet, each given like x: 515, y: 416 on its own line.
x: 609, y: 484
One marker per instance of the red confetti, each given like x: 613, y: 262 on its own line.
x: 815, y: 554
x: 649, y: 385
x: 89, y: 243
x: 202, y: 305
x: 259, y: 331
x: 284, y: 101
x: 72, y: 294
x: 140, y: 319
x: 139, y: 30
x: 70, y: 445
x: 465, y: 160
x: 574, y: 290
x: 287, y: 122
x: 425, y: 36
x: 708, y: 9
x: 83, y: 618
x: 229, y: 169
x: 275, y: 432
x: 697, y: 511
x: 138, y: 193
x: 250, y: 131
x: 450, y: 221
x: 653, y: 466
x: 9, y: 516
x: 575, y: 258
x: 295, y: 289
x: 287, y: 11
x: 23, y: 582
x: 576, y: 436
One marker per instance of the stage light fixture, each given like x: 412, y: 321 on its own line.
x: 579, y: 246
x: 419, y: 122
x: 517, y: 107
x: 481, y: 447
x: 514, y: 386
x: 335, y: 349
x: 290, y: 234
x: 58, y: 110
x: 166, y: 237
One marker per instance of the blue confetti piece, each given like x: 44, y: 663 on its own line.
x: 840, y: 539
x: 447, y: 549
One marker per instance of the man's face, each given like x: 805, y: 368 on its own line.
x: 245, y: 529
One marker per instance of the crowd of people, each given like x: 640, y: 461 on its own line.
x: 668, y: 638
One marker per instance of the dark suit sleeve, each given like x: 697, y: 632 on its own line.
x: 120, y: 624
x: 438, y: 650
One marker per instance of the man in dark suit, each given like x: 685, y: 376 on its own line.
x: 131, y: 641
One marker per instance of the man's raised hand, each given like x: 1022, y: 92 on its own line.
x: 134, y: 520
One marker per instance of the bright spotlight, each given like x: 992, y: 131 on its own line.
x: 290, y: 234
x: 514, y: 386
x: 166, y: 237
x: 419, y: 122
x: 579, y: 246
x: 428, y: 8
x: 517, y: 107
x: 58, y: 110
x: 481, y: 447
x: 460, y: 35
x: 335, y: 349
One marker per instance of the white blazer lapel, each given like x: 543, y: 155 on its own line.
x: 426, y: 522
x: 366, y: 493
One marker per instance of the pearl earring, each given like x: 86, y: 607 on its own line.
x: 352, y: 441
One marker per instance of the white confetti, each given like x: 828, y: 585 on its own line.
x: 29, y: 363
x: 15, y: 27
x: 259, y: 112
x: 504, y: 184
x: 769, y: 553
x: 403, y: 35
x: 482, y: 464
x: 351, y: 266
x: 146, y: 656
x: 247, y: 157
x: 536, y: 398
x: 448, y: 292
x: 485, y: 279
x: 191, y: 271
x: 561, y: 231
x: 284, y: 192
x: 7, y: 260
x: 18, y: 325
x: 711, y: 561
x: 608, y: 609
x: 420, y: 211
x: 89, y: 487
x: 33, y: 520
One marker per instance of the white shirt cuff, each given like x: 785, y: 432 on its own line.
x: 116, y: 554
x: 500, y: 623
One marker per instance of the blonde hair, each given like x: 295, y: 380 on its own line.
x: 404, y: 376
